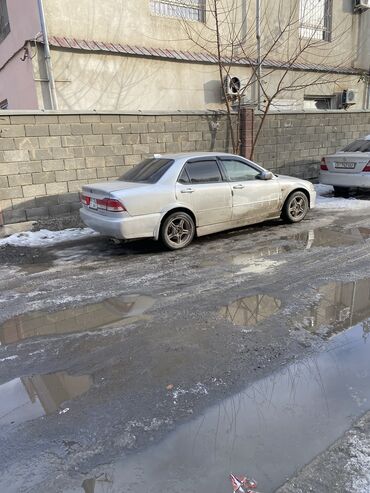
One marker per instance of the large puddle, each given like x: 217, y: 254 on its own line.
x: 267, y: 431
x: 124, y: 309
x: 341, y: 305
x: 27, y: 398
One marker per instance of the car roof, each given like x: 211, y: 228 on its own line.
x: 188, y: 155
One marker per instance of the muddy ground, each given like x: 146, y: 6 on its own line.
x: 108, y: 351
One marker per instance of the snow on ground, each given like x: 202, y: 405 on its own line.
x: 44, y: 237
x: 326, y: 199
x: 359, y: 463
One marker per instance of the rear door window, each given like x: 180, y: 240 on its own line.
x: 239, y: 171
x: 205, y: 171
x: 360, y: 145
x: 148, y: 171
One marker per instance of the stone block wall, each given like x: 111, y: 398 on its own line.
x: 45, y: 158
x: 294, y: 143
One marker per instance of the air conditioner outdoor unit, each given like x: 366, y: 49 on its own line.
x: 361, y: 5
x: 349, y: 96
x: 232, y: 86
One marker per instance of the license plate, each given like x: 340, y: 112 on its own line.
x: 93, y: 204
x: 345, y: 165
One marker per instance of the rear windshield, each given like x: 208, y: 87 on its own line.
x: 358, y: 146
x: 148, y: 171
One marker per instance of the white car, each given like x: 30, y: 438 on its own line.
x: 348, y: 168
x: 173, y: 197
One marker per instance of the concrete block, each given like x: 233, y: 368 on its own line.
x: 69, y: 198
x: 147, y: 119
x: 122, y: 150
x: 11, y: 193
x: 22, y: 203
x: 16, y: 180
x: 173, y: 147
x: 92, y: 140
x: 56, y: 188
x: 90, y: 118
x: 12, y: 131
x: 26, y: 143
x: 47, y: 142
x: 130, y: 138
x: 110, y: 140
x: 157, y: 148
x: 60, y: 209
x: 33, y: 190
x: 139, y: 128
x: 101, y: 128
x: 40, y: 154
x: 81, y: 128
x: 16, y: 156
x: 46, y: 201
x: 114, y: 161
x: 60, y: 129
x: 76, y: 186
x: 69, y: 118
x: 30, y: 167
x: 95, y: 162
x: 172, y: 127
x: 156, y: 127
x: 165, y: 137
x: 133, y: 159
x: 4, y: 182
x: 69, y: 175
x: 36, y: 213
x: 121, y: 128
x: 7, y: 144
x: 62, y: 153
x: 37, y: 130
x: 86, y: 174
x: 109, y: 118
x: 141, y: 149
x: 129, y: 118
x: 76, y: 163
x: 149, y: 138
x: 53, y: 165
x: 103, y: 151
x: 72, y: 141
x: 44, y: 177
x: 47, y: 119
x: 14, y: 216
x: 106, y: 172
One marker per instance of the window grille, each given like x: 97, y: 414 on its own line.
x: 315, y: 19
x: 4, y: 104
x: 190, y: 10
x: 4, y: 20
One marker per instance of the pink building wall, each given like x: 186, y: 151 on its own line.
x: 16, y: 76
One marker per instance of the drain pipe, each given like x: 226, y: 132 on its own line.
x: 48, y: 65
x: 259, y: 60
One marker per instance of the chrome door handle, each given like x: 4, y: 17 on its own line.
x: 187, y: 190
x: 238, y: 187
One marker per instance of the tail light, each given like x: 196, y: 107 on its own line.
x: 85, y: 199
x: 111, y: 205
x: 323, y: 165
x: 367, y: 167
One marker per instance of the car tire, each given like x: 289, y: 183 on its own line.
x: 295, y: 208
x: 341, y: 191
x: 177, y: 231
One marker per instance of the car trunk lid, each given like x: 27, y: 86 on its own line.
x: 348, y: 162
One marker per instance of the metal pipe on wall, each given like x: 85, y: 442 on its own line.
x: 258, y: 39
x: 48, y: 65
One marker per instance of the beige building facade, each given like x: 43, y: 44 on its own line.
x: 161, y: 55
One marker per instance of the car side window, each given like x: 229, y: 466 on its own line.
x: 206, y: 171
x: 183, y: 178
x: 239, y: 171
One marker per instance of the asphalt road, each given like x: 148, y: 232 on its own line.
x: 111, y: 354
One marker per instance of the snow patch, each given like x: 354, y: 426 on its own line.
x: 326, y: 200
x: 44, y: 237
x: 8, y: 358
x: 359, y: 463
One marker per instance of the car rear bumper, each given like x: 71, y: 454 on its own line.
x: 122, y: 228
x: 361, y: 180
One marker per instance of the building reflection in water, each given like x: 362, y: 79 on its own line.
x: 251, y: 310
x: 341, y: 305
x: 77, y: 319
x: 101, y: 484
x: 27, y: 398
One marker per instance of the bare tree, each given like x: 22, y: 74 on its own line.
x: 292, y: 45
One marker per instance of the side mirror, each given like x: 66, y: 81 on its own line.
x: 266, y: 175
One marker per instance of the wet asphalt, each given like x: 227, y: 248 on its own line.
x: 124, y: 368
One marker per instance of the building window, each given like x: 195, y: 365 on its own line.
x: 190, y: 10
x: 4, y: 104
x: 4, y: 20
x: 315, y: 19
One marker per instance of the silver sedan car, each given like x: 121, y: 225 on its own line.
x: 348, y: 168
x: 173, y: 197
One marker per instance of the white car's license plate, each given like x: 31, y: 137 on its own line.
x: 345, y: 165
x: 93, y: 204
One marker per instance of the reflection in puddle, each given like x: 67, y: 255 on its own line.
x: 27, y: 398
x: 77, y: 319
x: 341, y: 306
x: 97, y: 485
x: 252, y: 310
x: 261, y: 430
